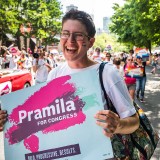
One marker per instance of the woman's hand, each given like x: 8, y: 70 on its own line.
x: 3, y: 118
x: 108, y: 120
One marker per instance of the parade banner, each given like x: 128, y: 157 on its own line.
x: 55, y: 120
x: 134, y: 72
x: 137, y: 50
x: 143, y: 53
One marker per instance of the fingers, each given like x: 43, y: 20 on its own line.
x: 107, y: 133
x: 107, y: 116
x: 3, y: 118
x: 108, y: 113
x: 108, y: 126
x: 108, y: 120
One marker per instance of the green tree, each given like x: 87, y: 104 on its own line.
x: 104, y: 39
x: 136, y: 23
x: 44, y: 17
x: 9, y: 22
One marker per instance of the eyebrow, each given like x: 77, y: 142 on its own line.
x: 72, y: 32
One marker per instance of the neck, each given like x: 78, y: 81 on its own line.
x: 139, y: 63
x: 81, y: 64
x: 118, y: 66
x: 129, y: 64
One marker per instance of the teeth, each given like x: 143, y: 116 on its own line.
x: 70, y: 48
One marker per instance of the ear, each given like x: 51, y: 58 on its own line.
x: 91, y: 42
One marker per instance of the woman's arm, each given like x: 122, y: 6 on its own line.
x: 126, y: 120
x: 35, y: 65
x: 48, y: 66
x: 128, y: 125
x: 149, y: 61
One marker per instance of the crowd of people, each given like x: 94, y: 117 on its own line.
x: 126, y: 62
x: 41, y: 62
x: 38, y: 63
x: 77, y: 37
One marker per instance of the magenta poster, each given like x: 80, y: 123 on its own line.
x: 55, y: 120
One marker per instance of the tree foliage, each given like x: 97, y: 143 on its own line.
x: 136, y: 23
x: 9, y: 22
x: 43, y: 16
x: 103, y: 40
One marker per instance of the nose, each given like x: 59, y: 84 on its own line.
x: 71, y: 37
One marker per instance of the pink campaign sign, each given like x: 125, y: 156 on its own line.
x: 56, y: 107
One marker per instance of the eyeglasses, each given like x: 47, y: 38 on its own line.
x: 129, y: 59
x: 78, y: 36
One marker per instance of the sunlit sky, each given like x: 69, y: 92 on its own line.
x: 99, y: 8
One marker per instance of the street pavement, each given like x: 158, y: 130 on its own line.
x: 151, y: 108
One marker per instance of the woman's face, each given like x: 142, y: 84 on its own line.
x: 74, y: 41
x: 139, y: 60
x: 129, y: 60
x: 108, y: 57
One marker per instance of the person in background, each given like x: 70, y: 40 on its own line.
x: 117, y: 63
x: 90, y: 54
x: 41, y: 68
x: 122, y: 57
x: 21, y: 61
x: 141, y: 81
x: 77, y: 36
x: 5, y: 60
x: 154, y: 63
x: 130, y: 81
x: 1, y: 61
x: 158, y: 62
x: 12, y: 59
x: 108, y: 57
x: 131, y: 53
x: 28, y: 62
x: 97, y: 55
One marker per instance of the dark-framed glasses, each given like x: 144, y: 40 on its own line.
x: 78, y: 36
x: 129, y: 59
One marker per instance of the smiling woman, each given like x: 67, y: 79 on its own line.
x: 78, y: 36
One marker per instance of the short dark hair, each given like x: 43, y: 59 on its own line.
x: 108, y: 54
x: 97, y: 49
x: 84, y: 18
x: 131, y: 51
x: 117, y: 61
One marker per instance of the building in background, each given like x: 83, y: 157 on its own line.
x: 92, y: 16
x: 68, y: 8
x: 106, y: 22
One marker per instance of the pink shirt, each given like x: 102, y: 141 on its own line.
x: 129, y: 80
